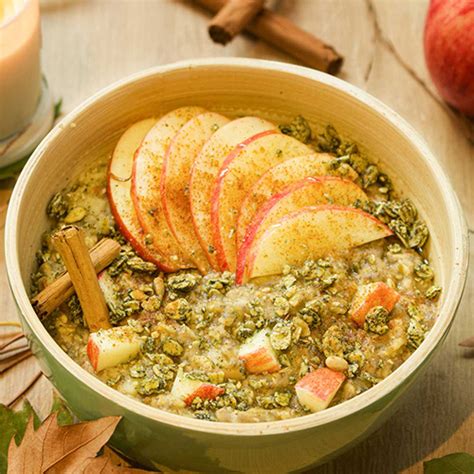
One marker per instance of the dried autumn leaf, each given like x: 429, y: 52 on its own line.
x: 13, y: 424
x: 64, y: 449
x: 107, y: 464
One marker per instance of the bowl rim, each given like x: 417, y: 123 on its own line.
x: 349, y: 407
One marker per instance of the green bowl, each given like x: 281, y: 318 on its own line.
x: 275, y: 91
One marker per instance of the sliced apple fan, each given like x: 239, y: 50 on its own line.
x: 195, y: 189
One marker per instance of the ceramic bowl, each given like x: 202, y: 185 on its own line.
x: 278, y: 92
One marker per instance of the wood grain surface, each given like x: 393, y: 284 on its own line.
x: 87, y: 44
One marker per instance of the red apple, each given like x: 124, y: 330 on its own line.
x: 316, y: 390
x: 449, y: 51
x: 205, y: 170
x: 258, y: 354
x: 369, y: 296
x: 307, y: 192
x: 310, y: 233
x: 240, y: 170
x: 110, y: 347
x: 174, y: 186
x: 187, y: 389
x: 119, y: 181
x: 276, y: 179
x: 146, y: 175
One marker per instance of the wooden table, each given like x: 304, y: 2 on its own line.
x: 88, y: 44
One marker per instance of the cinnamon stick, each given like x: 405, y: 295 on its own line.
x: 102, y: 255
x: 280, y: 32
x: 469, y: 342
x: 69, y: 242
x: 232, y: 19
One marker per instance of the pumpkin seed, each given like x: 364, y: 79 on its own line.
x: 280, y: 337
x: 376, y: 320
x: 75, y: 215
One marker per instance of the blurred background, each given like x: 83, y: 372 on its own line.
x: 88, y: 44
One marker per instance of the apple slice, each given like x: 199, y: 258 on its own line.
x: 316, y: 390
x: 187, y: 389
x: 119, y: 182
x: 275, y: 179
x: 110, y: 347
x: 258, y: 354
x: 146, y: 177
x: 240, y: 170
x: 307, y: 192
x: 369, y: 296
x: 310, y: 233
x: 235, y: 135
x: 176, y: 172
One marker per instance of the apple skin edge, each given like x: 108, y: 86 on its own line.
x: 236, y: 177
x: 205, y: 171
x: 274, y: 180
x: 124, y: 212
x: 136, y: 243
x: 93, y: 354
x: 369, y: 296
x: 206, y: 391
x: 145, y: 191
x: 175, y: 176
x: 316, y: 389
x: 221, y: 259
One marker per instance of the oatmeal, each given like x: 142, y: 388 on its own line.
x: 261, y: 345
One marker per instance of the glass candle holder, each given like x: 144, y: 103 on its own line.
x: 26, y: 106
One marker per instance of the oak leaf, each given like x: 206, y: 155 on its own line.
x: 55, y: 449
x: 13, y: 425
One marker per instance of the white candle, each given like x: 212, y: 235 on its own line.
x: 20, y: 72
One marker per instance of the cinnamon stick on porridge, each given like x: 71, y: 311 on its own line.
x: 45, y: 302
x: 69, y: 242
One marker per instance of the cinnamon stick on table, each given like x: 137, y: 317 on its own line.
x: 469, y: 342
x: 233, y: 18
x: 280, y: 32
x: 102, y: 255
x: 69, y: 242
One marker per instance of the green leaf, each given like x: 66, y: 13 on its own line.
x: 456, y: 463
x: 57, y: 108
x: 13, y: 423
x: 65, y: 416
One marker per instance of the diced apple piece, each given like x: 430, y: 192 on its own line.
x: 369, y: 296
x: 187, y: 389
x: 106, y: 285
x: 275, y: 179
x: 235, y: 135
x: 310, y: 233
x: 110, y: 347
x: 258, y: 354
x: 307, y: 192
x: 147, y: 167
x: 316, y: 389
x: 119, y: 183
x: 240, y: 170
x: 175, y: 176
